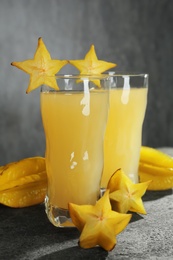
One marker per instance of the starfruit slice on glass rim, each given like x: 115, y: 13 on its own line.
x: 42, y: 68
x: 91, y: 65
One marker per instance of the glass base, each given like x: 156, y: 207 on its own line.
x: 60, y: 217
x: 102, y: 191
x: 57, y: 216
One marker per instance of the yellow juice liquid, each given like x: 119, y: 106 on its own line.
x: 74, y: 126
x: 123, y: 132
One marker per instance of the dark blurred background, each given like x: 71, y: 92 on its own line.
x: 137, y: 35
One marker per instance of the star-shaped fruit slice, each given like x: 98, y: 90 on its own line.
x: 98, y: 224
x: 125, y: 195
x: 90, y: 65
x: 41, y: 68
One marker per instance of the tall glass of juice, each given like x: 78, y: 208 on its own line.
x: 128, y: 100
x: 74, y: 120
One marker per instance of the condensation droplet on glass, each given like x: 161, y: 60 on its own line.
x: 85, y: 156
x: 73, y: 165
x: 71, y: 156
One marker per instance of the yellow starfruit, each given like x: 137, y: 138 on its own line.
x: 152, y: 156
x: 41, y: 68
x: 91, y: 65
x: 25, y: 195
x: 156, y: 166
x: 23, y: 183
x: 98, y: 223
x: 125, y: 195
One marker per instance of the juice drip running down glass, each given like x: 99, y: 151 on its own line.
x: 74, y: 124
x: 128, y: 100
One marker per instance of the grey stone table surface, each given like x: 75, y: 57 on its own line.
x: 27, y: 234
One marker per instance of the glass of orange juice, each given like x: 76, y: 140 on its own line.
x: 74, y: 120
x: 128, y: 100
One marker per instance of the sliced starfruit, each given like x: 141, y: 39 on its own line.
x: 156, y: 166
x: 125, y: 195
x: 98, y: 224
x: 23, y: 183
x: 41, y: 68
x: 90, y: 65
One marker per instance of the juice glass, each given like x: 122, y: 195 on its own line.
x: 74, y: 120
x: 128, y: 100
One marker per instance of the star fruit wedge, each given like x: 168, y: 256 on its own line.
x: 125, y: 195
x: 91, y: 65
x: 42, y: 68
x: 98, y: 223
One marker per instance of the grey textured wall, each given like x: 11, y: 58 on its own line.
x: 137, y: 35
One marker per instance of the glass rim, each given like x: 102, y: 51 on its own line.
x: 81, y: 76
x: 99, y: 76
x: 112, y: 73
